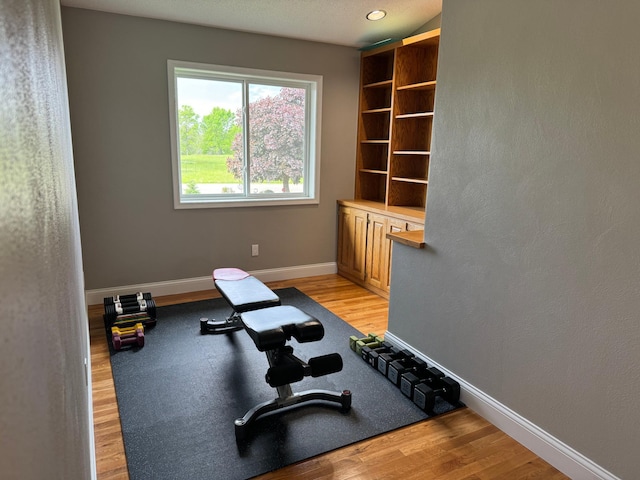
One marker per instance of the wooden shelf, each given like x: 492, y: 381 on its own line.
x: 423, y: 181
x: 413, y: 238
x: 378, y: 172
x: 382, y: 84
x: 419, y: 86
x: 378, y: 110
x: 430, y: 38
x: 412, y: 152
x: 415, y: 115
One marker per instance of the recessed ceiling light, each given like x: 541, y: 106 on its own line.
x: 376, y: 15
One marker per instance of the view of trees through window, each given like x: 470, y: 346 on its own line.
x: 216, y: 130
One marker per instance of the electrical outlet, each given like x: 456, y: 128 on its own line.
x: 255, y: 250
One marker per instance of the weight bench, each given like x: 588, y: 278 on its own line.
x: 271, y: 325
x: 270, y: 329
x: 244, y: 293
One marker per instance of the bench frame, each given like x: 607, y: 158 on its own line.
x: 287, y: 398
x: 279, y: 355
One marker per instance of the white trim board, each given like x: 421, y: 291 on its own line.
x: 553, y: 451
x: 186, y: 285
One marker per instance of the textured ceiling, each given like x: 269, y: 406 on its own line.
x: 340, y: 22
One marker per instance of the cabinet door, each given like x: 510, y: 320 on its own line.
x: 352, y: 237
x: 395, y: 226
x: 377, y: 246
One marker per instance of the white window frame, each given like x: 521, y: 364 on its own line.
x: 313, y: 84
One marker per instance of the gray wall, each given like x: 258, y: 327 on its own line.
x: 44, y: 399
x: 117, y: 75
x: 530, y: 286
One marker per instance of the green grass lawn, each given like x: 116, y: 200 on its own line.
x: 205, y: 169
x: 210, y: 169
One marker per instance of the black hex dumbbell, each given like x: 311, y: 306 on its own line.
x: 370, y: 355
x: 399, y: 367
x: 410, y: 379
x: 394, y: 354
x: 424, y: 396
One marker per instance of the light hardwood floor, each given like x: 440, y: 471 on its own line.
x: 457, y: 445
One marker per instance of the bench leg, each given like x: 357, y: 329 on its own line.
x: 286, y: 398
x: 231, y: 324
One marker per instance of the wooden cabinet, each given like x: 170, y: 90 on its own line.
x: 396, y: 109
x: 364, y: 251
x: 397, y: 96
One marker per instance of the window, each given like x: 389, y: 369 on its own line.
x: 243, y: 137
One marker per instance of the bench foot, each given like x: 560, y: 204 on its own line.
x: 232, y: 324
x: 339, y: 400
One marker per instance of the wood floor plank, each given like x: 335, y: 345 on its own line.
x: 457, y: 445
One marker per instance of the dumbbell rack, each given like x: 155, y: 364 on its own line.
x: 129, y: 314
x: 417, y: 381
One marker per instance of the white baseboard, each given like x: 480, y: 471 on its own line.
x: 186, y: 285
x: 553, y: 451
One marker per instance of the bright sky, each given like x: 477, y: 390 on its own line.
x: 203, y: 95
x: 199, y: 94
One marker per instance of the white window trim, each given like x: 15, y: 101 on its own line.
x: 314, y: 123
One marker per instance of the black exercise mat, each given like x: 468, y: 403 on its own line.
x: 179, y: 395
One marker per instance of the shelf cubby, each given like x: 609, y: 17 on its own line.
x: 415, y: 100
x: 412, y: 133
x: 373, y: 186
x: 377, y: 68
x: 410, y: 165
x: 376, y: 97
x: 375, y: 124
x: 416, y: 63
x: 375, y: 156
x: 407, y: 194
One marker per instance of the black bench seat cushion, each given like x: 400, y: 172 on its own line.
x: 247, y: 294
x: 270, y: 328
